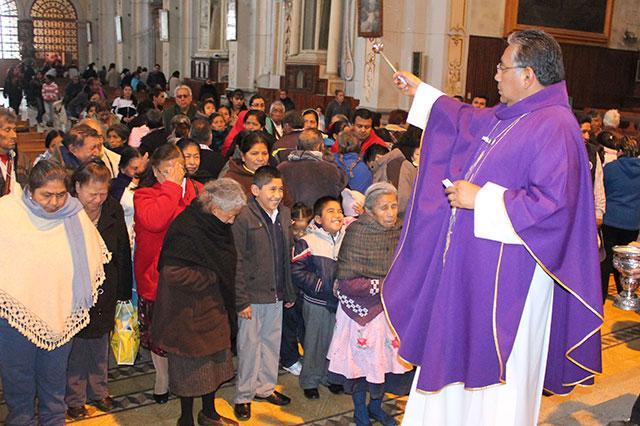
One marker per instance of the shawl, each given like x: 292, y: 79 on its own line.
x: 50, y: 276
x: 360, y: 299
x: 367, y: 249
x: 68, y: 213
x: 197, y: 238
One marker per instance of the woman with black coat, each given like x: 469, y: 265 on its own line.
x: 195, y: 297
x: 88, y: 361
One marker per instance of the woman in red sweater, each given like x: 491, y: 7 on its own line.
x: 157, y: 202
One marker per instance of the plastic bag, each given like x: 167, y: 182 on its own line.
x: 125, y: 338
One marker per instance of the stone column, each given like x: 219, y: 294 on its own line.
x: 25, y: 38
x: 120, y: 46
x: 187, y: 38
x: 166, y: 4
x: 296, y: 25
x: 333, y: 48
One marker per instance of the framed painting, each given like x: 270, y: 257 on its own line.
x: 370, y: 18
x: 573, y: 21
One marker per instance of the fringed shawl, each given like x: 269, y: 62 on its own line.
x: 367, y: 249
x: 37, y: 273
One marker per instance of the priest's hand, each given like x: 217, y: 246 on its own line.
x: 462, y: 194
x: 406, y: 82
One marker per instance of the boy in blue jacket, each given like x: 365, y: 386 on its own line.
x: 313, y: 270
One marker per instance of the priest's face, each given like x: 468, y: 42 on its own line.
x: 509, y: 78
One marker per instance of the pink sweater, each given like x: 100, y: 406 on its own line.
x: 50, y: 92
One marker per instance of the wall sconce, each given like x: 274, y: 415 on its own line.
x: 118, y: 24
x: 164, y: 24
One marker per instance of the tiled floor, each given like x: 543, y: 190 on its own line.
x: 610, y: 399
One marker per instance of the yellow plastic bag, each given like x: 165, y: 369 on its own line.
x: 125, y: 338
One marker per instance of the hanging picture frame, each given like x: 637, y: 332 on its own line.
x: 370, y: 18
x: 568, y: 21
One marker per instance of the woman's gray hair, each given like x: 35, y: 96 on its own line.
x: 376, y: 191
x: 224, y: 193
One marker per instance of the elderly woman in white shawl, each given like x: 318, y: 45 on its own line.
x: 52, y: 265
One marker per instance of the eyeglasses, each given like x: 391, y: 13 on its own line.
x: 182, y: 96
x: 502, y: 68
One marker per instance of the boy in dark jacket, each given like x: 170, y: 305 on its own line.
x: 263, y: 282
x: 313, y: 268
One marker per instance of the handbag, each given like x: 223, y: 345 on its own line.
x: 125, y: 337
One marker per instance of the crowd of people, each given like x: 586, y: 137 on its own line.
x: 227, y: 219
x: 246, y: 229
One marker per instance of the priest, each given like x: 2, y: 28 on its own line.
x: 494, y: 290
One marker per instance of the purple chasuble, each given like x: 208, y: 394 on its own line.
x: 455, y: 300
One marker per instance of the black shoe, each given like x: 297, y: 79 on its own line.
x: 276, y: 398
x: 311, y: 393
x: 76, y: 413
x: 161, y: 398
x: 105, y: 404
x: 336, y: 389
x: 242, y: 411
x: 203, y: 420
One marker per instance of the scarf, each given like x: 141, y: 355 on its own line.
x: 68, y: 213
x: 198, y: 238
x: 299, y: 155
x: 360, y: 299
x: 52, y: 268
x: 367, y: 249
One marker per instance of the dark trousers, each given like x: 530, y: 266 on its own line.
x: 292, y: 333
x: 635, y: 412
x: 28, y: 371
x: 87, y: 371
x: 613, y: 237
x: 319, y: 323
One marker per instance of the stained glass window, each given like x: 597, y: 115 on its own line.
x: 9, y: 46
x: 55, y: 30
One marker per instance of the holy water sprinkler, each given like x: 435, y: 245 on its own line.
x: 377, y: 47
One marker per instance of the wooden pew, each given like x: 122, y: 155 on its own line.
x: 29, y: 145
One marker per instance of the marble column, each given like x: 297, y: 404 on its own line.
x: 187, y: 38
x: 25, y: 38
x: 333, y: 48
x: 120, y: 45
x: 166, y: 48
x: 296, y: 25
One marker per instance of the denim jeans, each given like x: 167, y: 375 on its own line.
x: 28, y: 371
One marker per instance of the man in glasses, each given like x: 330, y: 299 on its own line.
x: 81, y: 144
x: 184, y: 105
x: 505, y: 299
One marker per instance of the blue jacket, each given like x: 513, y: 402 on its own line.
x: 622, y: 188
x: 360, y: 177
x: 314, y: 263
